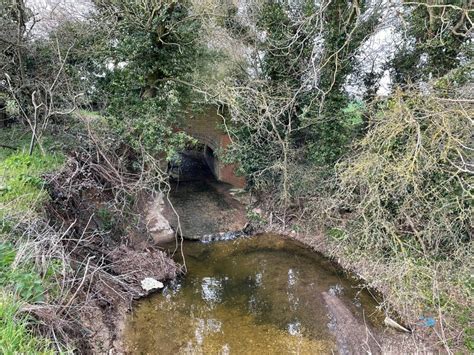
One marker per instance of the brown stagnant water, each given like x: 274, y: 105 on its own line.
x: 251, y: 295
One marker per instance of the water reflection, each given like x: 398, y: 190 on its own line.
x: 211, y: 290
x: 294, y: 328
x: 292, y: 278
x: 293, y: 299
x: 252, y: 295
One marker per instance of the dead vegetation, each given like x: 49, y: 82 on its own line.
x: 399, y: 211
x: 410, y: 192
x: 90, y: 246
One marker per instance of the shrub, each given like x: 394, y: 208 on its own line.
x: 407, y: 199
x: 410, y: 182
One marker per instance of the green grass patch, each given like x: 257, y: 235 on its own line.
x: 15, y: 336
x: 21, y: 182
x: 91, y: 115
x: 22, y: 192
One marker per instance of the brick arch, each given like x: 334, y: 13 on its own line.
x: 205, y: 128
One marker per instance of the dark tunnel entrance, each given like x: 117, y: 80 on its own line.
x: 194, y: 164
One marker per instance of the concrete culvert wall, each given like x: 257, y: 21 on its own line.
x: 211, y: 160
x: 206, y: 128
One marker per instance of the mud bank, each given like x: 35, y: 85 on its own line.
x: 111, y: 251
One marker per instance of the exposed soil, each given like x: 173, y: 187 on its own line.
x: 109, y: 254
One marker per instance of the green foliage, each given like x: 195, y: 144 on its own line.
x: 87, y: 44
x: 15, y: 335
x: 255, y: 217
x: 149, y: 79
x: 106, y: 217
x: 7, y: 256
x: 353, y: 114
x: 455, y: 79
x: 344, y: 33
x: 28, y: 285
x: 407, y: 172
x: 13, y: 18
x: 21, y: 280
x: 299, y: 121
x: 340, y: 120
x: 332, y: 139
x: 469, y: 338
x: 439, y: 42
x: 11, y: 108
x: 336, y: 234
x: 276, y: 20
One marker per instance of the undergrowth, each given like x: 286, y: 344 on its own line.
x: 15, y: 334
x: 408, y: 203
x: 20, y: 279
x: 398, y: 209
x: 21, y: 181
x: 22, y: 193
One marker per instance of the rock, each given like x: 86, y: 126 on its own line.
x: 336, y: 290
x: 157, y: 225
x: 351, y: 334
x: 236, y: 191
x: 150, y: 284
x: 257, y: 211
x: 206, y: 211
x: 242, y: 196
x: 389, y: 322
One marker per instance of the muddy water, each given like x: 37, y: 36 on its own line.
x: 260, y: 295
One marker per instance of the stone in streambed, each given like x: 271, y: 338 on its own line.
x: 151, y: 284
x: 156, y: 223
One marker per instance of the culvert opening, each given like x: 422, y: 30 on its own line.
x: 196, y: 163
